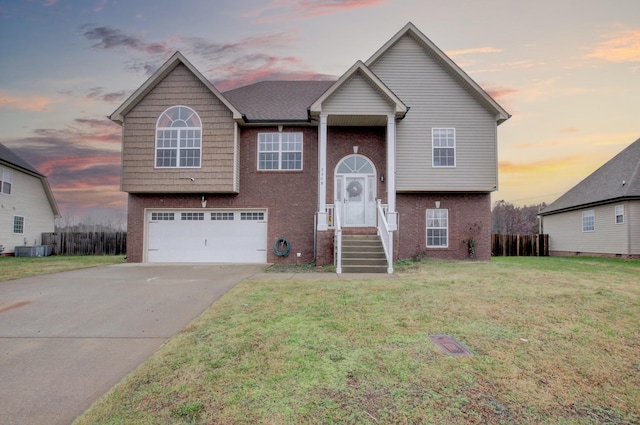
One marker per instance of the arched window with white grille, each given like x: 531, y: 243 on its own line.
x: 178, y: 138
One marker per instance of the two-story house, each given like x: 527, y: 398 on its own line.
x: 402, y: 147
x: 27, y: 205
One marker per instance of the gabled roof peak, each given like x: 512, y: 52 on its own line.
x: 449, y: 65
x: 176, y: 59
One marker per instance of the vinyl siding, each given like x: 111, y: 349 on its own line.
x: 566, y: 235
x: 436, y: 99
x: 29, y: 200
x: 218, y: 160
x: 357, y: 97
x: 633, y: 215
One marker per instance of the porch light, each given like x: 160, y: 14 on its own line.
x: 437, y: 204
x: 204, y: 202
x: 382, y: 177
x: 355, y: 149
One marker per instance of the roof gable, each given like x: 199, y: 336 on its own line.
x: 176, y: 59
x: 448, y: 65
x: 617, y: 179
x: 10, y: 158
x: 375, y: 83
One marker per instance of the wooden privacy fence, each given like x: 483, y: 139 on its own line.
x: 519, y: 245
x: 87, y: 243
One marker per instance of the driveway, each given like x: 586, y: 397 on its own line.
x: 67, y: 338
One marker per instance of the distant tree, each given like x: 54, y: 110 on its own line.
x: 70, y: 223
x: 509, y: 219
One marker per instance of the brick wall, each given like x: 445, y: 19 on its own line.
x: 465, y: 211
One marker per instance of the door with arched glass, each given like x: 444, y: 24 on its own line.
x: 355, y: 187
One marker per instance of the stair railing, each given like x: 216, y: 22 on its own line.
x: 337, y: 220
x: 386, y: 236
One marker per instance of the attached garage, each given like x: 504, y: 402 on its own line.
x: 206, y: 236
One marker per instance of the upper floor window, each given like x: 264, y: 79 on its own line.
x: 280, y: 151
x: 437, y: 228
x: 443, y: 142
x: 5, y: 180
x: 589, y: 221
x: 178, y: 138
x: 619, y: 214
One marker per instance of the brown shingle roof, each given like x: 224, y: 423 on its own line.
x: 277, y: 100
x: 605, y: 184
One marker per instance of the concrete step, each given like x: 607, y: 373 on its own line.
x: 364, y: 262
x: 364, y: 269
x: 364, y: 254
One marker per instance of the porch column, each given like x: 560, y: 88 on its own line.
x: 322, y: 173
x: 392, y: 215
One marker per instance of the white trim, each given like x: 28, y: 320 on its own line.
x: 615, y: 214
x: 280, y: 151
x: 178, y: 147
x: 587, y: 213
x: 392, y: 215
x: 13, y: 224
x: 322, y: 174
x: 447, y: 228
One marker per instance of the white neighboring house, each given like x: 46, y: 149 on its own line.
x: 601, y: 214
x: 27, y: 205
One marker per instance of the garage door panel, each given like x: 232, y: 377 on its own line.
x: 220, y: 236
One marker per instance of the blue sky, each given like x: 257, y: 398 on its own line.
x: 568, y: 72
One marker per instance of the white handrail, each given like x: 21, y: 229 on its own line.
x: 386, y: 236
x: 337, y: 220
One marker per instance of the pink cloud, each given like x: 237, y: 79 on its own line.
x: 29, y: 103
x: 473, y: 51
x: 621, y: 47
x: 290, y: 10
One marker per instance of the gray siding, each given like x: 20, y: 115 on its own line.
x: 633, y: 215
x: 357, y: 97
x: 566, y: 235
x: 438, y: 100
x: 218, y: 161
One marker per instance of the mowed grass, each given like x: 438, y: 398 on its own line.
x: 555, y: 340
x: 19, y: 267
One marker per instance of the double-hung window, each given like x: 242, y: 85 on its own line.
x: 18, y: 224
x: 619, y: 214
x: 280, y: 151
x: 178, y: 138
x: 589, y: 221
x: 437, y: 228
x: 443, y: 143
x: 5, y: 181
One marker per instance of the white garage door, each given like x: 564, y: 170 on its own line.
x: 211, y: 236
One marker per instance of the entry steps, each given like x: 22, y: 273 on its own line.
x: 363, y: 254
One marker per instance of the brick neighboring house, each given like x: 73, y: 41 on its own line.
x: 599, y: 216
x: 403, y: 145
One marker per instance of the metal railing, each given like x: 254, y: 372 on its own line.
x: 331, y: 213
x: 386, y: 236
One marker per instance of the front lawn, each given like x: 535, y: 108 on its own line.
x: 555, y: 340
x: 19, y: 267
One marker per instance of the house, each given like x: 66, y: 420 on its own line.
x: 401, y: 149
x: 601, y: 214
x: 27, y: 205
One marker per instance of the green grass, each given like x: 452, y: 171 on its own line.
x: 19, y: 267
x: 555, y: 340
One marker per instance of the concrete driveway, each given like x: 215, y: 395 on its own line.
x: 67, y: 338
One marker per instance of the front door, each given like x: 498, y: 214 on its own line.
x: 355, y: 187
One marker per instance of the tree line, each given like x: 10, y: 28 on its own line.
x: 507, y: 219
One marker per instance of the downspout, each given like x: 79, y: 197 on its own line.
x: 315, y: 237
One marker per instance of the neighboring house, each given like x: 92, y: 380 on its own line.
x: 222, y: 177
x: 27, y: 206
x: 601, y: 214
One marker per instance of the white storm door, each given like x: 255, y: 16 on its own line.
x: 355, y: 200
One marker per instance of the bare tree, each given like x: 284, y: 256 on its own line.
x: 509, y: 219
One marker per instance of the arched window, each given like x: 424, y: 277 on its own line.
x: 178, y: 138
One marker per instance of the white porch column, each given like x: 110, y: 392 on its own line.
x: 392, y: 214
x: 322, y: 173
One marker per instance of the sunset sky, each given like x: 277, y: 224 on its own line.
x: 568, y: 72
